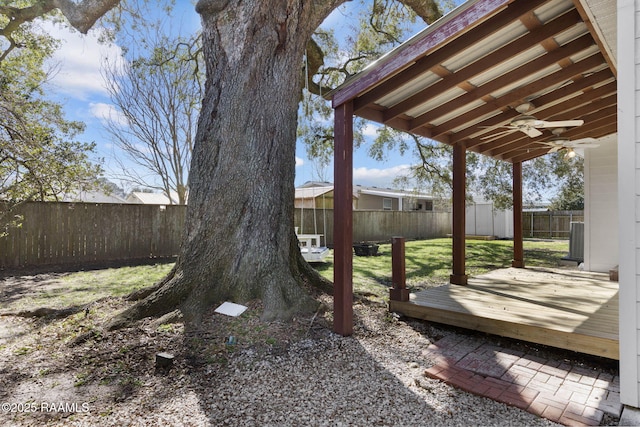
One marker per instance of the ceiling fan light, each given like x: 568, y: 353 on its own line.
x: 525, y: 107
x: 570, y: 153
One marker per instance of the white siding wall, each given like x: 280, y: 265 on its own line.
x: 629, y: 196
x: 601, y: 206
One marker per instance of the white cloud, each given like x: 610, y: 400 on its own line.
x: 379, y: 177
x: 299, y: 161
x: 107, y: 112
x: 370, y: 129
x: 78, y: 59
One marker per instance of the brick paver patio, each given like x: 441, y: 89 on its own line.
x: 553, y: 389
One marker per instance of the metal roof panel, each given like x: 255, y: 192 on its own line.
x: 462, y: 84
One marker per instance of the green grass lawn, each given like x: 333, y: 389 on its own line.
x: 83, y: 287
x: 428, y: 262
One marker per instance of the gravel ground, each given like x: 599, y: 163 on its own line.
x: 294, y: 374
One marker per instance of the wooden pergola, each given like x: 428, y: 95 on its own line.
x: 459, y: 82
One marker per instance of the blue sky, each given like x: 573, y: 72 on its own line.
x: 78, y: 86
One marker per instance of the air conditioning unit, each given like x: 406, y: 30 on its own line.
x: 576, y: 242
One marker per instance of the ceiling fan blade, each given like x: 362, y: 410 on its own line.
x: 498, y: 134
x: 493, y: 127
x: 567, y: 143
x: 530, y: 131
x: 557, y: 124
x: 585, y: 145
x: 550, y: 143
x: 583, y: 141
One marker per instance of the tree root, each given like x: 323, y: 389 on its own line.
x: 174, y: 316
x: 176, y: 292
x: 84, y: 337
x: 167, y: 296
x: 54, y: 313
x: 306, y: 274
x: 141, y: 294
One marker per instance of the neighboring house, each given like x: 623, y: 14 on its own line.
x: 152, y: 198
x: 320, y: 195
x: 387, y: 199
x: 482, y: 217
x: 537, y: 206
x: 93, y: 197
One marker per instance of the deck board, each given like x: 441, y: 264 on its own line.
x: 563, y: 308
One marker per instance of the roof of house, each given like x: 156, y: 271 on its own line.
x: 316, y: 184
x: 309, y: 192
x: 390, y: 192
x: 150, y: 198
x: 93, y: 197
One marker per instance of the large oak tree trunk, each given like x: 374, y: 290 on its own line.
x: 239, y: 242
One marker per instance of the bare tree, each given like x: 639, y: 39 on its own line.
x: 157, y: 99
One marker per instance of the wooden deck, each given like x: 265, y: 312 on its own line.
x: 564, y: 308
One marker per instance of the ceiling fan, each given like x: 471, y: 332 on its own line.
x: 530, y: 126
x: 558, y: 143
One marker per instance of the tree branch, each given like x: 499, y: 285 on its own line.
x: 82, y: 15
x: 428, y: 10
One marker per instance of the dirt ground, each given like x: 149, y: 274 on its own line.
x: 41, y: 368
x: 46, y: 379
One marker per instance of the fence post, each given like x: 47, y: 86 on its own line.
x: 532, y: 224
x: 399, y: 291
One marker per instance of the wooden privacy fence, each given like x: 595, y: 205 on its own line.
x: 74, y: 233
x: 77, y: 233
x: 550, y: 224
x: 377, y: 225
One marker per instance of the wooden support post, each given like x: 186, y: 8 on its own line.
x: 399, y: 291
x: 518, y: 251
x: 459, y: 197
x: 342, y: 221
